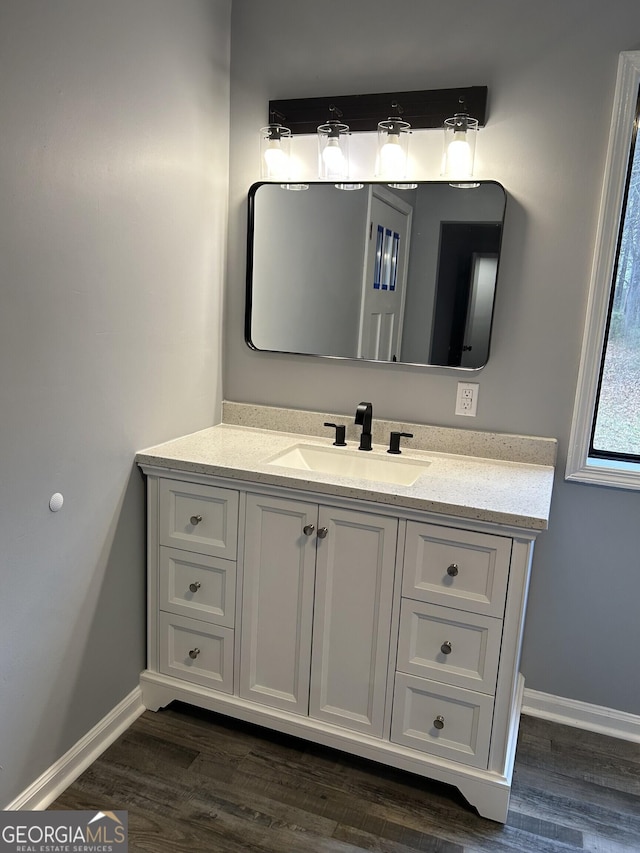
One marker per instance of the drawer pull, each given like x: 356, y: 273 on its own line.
x: 322, y: 532
x: 195, y: 519
x: 194, y: 587
x: 445, y: 648
x: 452, y: 570
x: 439, y: 722
x: 308, y: 529
x: 193, y: 654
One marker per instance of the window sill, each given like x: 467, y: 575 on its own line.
x: 606, y: 472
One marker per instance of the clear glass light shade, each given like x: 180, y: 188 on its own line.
x: 333, y: 151
x: 393, y: 149
x: 460, y: 133
x: 275, y: 152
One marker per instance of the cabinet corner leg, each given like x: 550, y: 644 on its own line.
x: 154, y: 696
x: 490, y: 801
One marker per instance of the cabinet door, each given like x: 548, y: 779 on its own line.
x: 279, y: 562
x: 352, y: 618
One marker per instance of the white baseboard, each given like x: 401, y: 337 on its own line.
x: 581, y: 715
x: 66, y: 769
x: 48, y: 786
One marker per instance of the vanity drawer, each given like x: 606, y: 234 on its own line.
x: 198, y: 586
x: 197, y: 652
x: 450, y: 646
x: 199, y: 518
x: 442, y: 720
x: 456, y: 568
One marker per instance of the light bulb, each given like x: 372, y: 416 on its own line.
x: 392, y: 158
x: 333, y: 158
x: 275, y: 158
x: 459, y: 157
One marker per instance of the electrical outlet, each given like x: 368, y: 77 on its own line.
x: 467, y: 399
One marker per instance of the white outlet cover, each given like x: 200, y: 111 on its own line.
x: 467, y: 399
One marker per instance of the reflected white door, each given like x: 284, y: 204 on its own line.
x: 385, y: 275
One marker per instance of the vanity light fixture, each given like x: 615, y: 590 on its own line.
x: 393, y: 146
x: 275, y: 149
x: 333, y: 147
x: 421, y: 110
x: 460, y: 133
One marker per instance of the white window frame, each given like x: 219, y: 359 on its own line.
x: 581, y: 467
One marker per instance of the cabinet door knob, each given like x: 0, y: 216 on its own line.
x: 193, y: 654
x: 194, y: 587
x: 452, y: 570
x: 439, y: 722
x: 322, y: 532
x: 308, y: 529
x: 195, y: 519
x: 445, y: 648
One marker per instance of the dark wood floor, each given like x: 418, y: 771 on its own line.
x: 192, y: 781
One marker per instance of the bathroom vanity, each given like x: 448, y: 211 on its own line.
x: 378, y: 617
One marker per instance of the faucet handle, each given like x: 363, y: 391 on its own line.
x: 340, y: 434
x: 394, y: 441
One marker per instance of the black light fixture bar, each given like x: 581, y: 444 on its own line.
x: 425, y: 109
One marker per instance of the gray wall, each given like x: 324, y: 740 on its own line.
x: 328, y: 254
x: 113, y: 166
x: 551, y: 69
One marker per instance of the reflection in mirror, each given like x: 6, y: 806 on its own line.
x: 393, y: 274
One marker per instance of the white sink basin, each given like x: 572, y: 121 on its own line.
x: 359, y: 464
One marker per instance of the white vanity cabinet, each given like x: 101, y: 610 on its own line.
x: 388, y: 632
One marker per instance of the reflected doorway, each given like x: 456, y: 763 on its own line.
x: 467, y: 269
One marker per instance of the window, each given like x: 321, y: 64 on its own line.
x: 604, y: 446
x: 616, y: 425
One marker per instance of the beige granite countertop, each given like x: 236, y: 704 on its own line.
x: 501, y: 491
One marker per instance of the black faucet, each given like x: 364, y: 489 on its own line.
x: 364, y: 414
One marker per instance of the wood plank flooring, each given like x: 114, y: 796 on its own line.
x: 194, y: 781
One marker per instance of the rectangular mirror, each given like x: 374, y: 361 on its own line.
x: 393, y: 273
